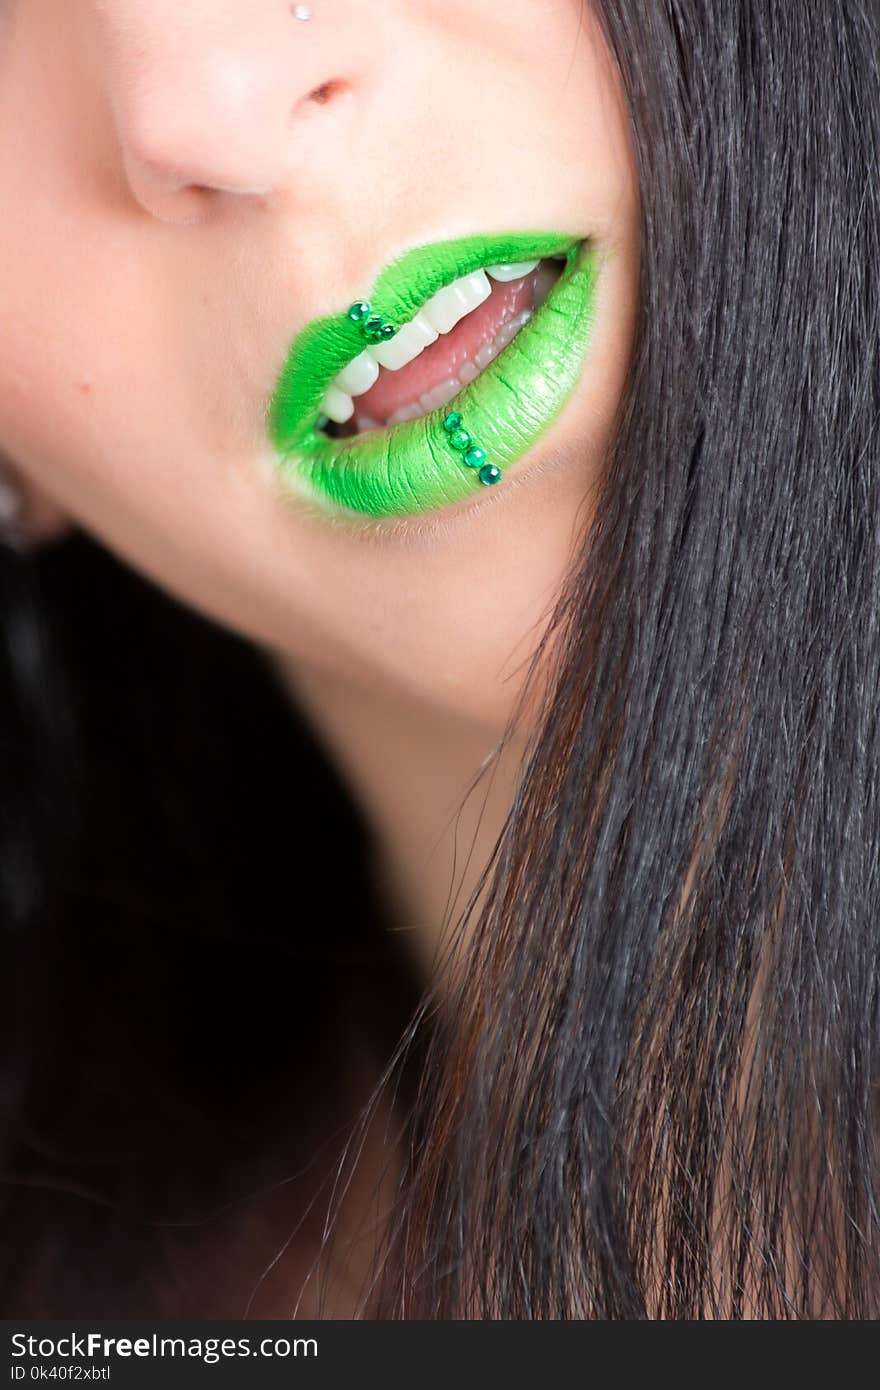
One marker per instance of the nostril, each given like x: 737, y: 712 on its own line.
x: 326, y: 92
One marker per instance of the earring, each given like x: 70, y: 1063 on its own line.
x: 13, y: 532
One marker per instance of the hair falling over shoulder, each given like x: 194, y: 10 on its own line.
x: 662, y: 1099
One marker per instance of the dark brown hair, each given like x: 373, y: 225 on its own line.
x: 660, y: 1098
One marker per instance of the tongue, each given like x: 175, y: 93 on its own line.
x: 444, y: 360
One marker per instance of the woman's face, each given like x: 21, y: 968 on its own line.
x: 188, y: 185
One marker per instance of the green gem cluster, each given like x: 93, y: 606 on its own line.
x: 374, y: 328
x: 472, y: 455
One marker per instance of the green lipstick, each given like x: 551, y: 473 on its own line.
x: 420, y: 465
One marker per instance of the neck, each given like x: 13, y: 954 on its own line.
x: 415, y: 771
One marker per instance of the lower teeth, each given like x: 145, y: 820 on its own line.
x: 406, y: 412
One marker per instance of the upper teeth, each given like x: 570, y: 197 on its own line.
x: 407, y: 345
x: 515, y: 271
x: 440, y: 315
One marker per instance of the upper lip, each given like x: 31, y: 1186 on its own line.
x: 326, y: 345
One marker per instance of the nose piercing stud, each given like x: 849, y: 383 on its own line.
x: 302, y: 12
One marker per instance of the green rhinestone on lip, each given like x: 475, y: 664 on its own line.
x: 373, y: 328
x: 386, y: 332
x: 475, y: 457
x: 359, y: 311
x: 474, y: 454
x: 460, y: 440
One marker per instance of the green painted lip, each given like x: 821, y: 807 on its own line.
x: 411, y: 468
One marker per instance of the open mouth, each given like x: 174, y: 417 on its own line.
x: 449, y: 343
x: 447, y: 375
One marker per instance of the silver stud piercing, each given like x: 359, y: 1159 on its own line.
x: 301, y: 12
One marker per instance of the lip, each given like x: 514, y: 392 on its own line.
x: 410, y: 468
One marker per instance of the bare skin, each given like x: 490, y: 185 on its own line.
x: 184, y: 186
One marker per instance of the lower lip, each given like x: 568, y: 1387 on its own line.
x: 414, y: 467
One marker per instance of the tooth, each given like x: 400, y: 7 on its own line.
x: 365, y: 423
x: 514, y: 271
x: 485, y: 355
x: 445, y: 309
x: 358, y: 376
x: 476, y: 286
x: 337, y: 404
x: 510, y: 330
x: 450, y: 304
x: 406, y: 412
x: 489, y: 351
x: 468, y: 373
x: 440, y: 395
x: 405, y: 346
x: 428, y: 329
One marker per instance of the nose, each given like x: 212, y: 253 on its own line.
x: 229, y: 96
